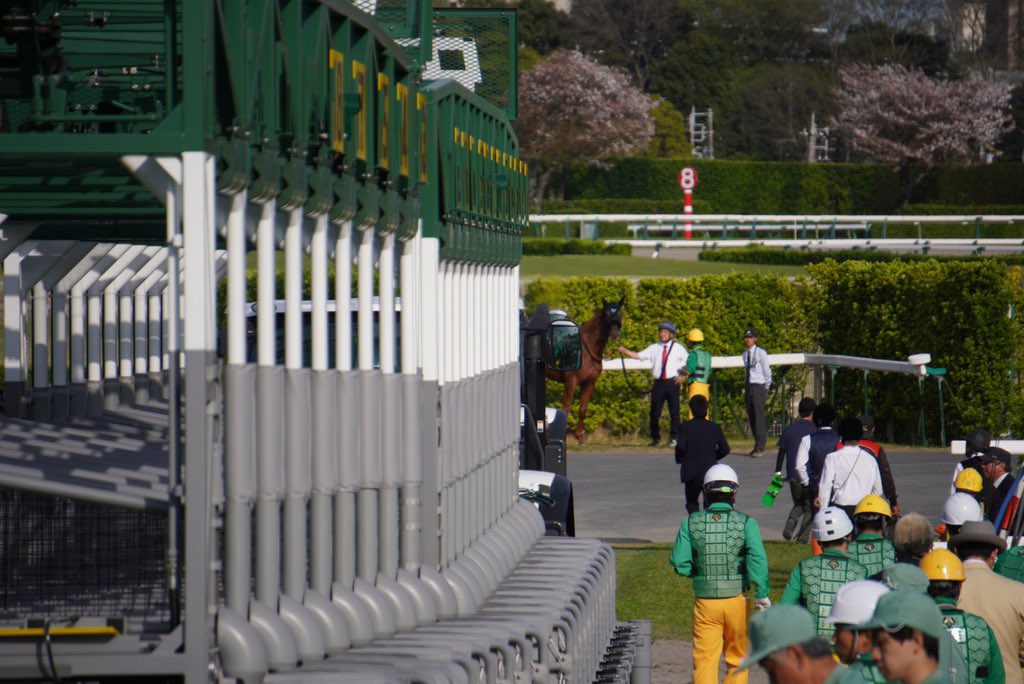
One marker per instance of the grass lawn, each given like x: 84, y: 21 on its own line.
x: 640, y: 267
x: 649, y: 589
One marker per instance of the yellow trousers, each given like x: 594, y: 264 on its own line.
x: 719, y: 624
x: 701, y: 388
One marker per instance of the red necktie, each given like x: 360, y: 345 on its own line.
x: 664, y: 360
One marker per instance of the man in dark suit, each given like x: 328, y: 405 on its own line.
x: 700, y: 445
x: 995, y: 464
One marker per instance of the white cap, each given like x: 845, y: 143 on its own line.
x: 960, y: 508
x: 831, y: 523
x: 854, y: 603
x: 721, y: 473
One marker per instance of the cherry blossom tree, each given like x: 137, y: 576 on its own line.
x: 572, y: 109
x: 894, y: 115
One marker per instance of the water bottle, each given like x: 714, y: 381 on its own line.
x: 774, y: 487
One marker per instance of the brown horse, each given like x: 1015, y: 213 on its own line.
x: 605, y: 325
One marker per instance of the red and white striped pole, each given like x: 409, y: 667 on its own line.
x: 688, y: 181
x: 688, y: 210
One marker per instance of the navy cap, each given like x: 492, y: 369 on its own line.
x: 750, y: 332
x: 667, y: 325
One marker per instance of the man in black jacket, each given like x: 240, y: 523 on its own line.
x: 701, y: 444
x: 995, y: 464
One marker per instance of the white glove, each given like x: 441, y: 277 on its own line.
x: 763, y: 604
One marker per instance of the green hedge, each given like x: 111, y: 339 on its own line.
x: 722, y: 306
x: 728, y: 187
x: 956, y: 311
x: 972, y: 185
x: 613, y: 205
x: 757, y: 254
x: 745, y: 187
x: 558, y: 246
x: 932, y: 209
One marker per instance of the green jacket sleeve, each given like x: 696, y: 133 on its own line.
x: 791, y: 594
x: 757, y: 559
x: 996, y: 671
x: 691, y: 363
x: 682, y: 552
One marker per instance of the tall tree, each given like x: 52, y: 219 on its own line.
x: 774, y: 107
x: 635, y: 34
x: 894, y: 115
x: 572, y: 109
x: 671, y: 139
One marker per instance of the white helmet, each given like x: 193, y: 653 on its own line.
x: 854, y: 603
x: 960, y: 508
x: 831, y: 523
x: 720, y: 476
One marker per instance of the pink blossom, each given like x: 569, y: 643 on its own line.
x: 894, y: 115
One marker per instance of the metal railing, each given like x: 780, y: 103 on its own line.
x: 736, y: 227
x: 916, y: 365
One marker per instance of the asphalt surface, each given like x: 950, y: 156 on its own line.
x: 635, y: 495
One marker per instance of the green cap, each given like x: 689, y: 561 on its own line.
x: 907, y: 608
x: 905, y: 576
x: 775, y: 629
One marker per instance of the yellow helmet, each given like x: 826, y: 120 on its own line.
x: 695, y: 335
x: 969, y: 480
x: 872, y: 503
x: 942, y: 564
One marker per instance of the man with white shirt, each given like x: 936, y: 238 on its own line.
x: 851, y: 473
x: 810, y: 455
x: 667, y: 358
x: 758, y: 381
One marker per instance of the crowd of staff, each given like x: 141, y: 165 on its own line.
x: 883, y: 597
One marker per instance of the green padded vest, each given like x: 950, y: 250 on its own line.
x: 821, y: 576
x: 702, y: 373
x: 971, y: 632
x: 873, y: 554
x: 1011, y: 563
x: 719, y: 553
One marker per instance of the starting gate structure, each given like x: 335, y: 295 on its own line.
x: 180, y: 500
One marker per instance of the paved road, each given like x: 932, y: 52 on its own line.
x: 637, y: 495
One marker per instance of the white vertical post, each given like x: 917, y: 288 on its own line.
x: 318, y: 253
x: 236, y: 243
x: 343, y: 297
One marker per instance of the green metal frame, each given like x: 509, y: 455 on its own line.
x: 310, y: 103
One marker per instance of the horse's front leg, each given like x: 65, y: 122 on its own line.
x: 586, y: 389
x: 567, y: 394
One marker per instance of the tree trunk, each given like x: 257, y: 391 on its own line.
x: 539, y: 185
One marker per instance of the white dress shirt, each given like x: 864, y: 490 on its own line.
x: 676, y: 358
x: 755, y: 360
x: 848, y: 476
x: 803, y: 455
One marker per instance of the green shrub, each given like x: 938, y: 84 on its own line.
x: 956, y: 310
x: 745, y: 187
x: 969, y: 185
x: 557, y: 246
x: 932, y: 209
x: 722, y: 306
x: 758, y: 254
x: 622, y: 206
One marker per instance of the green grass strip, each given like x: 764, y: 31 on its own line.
x: 649, y: 589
